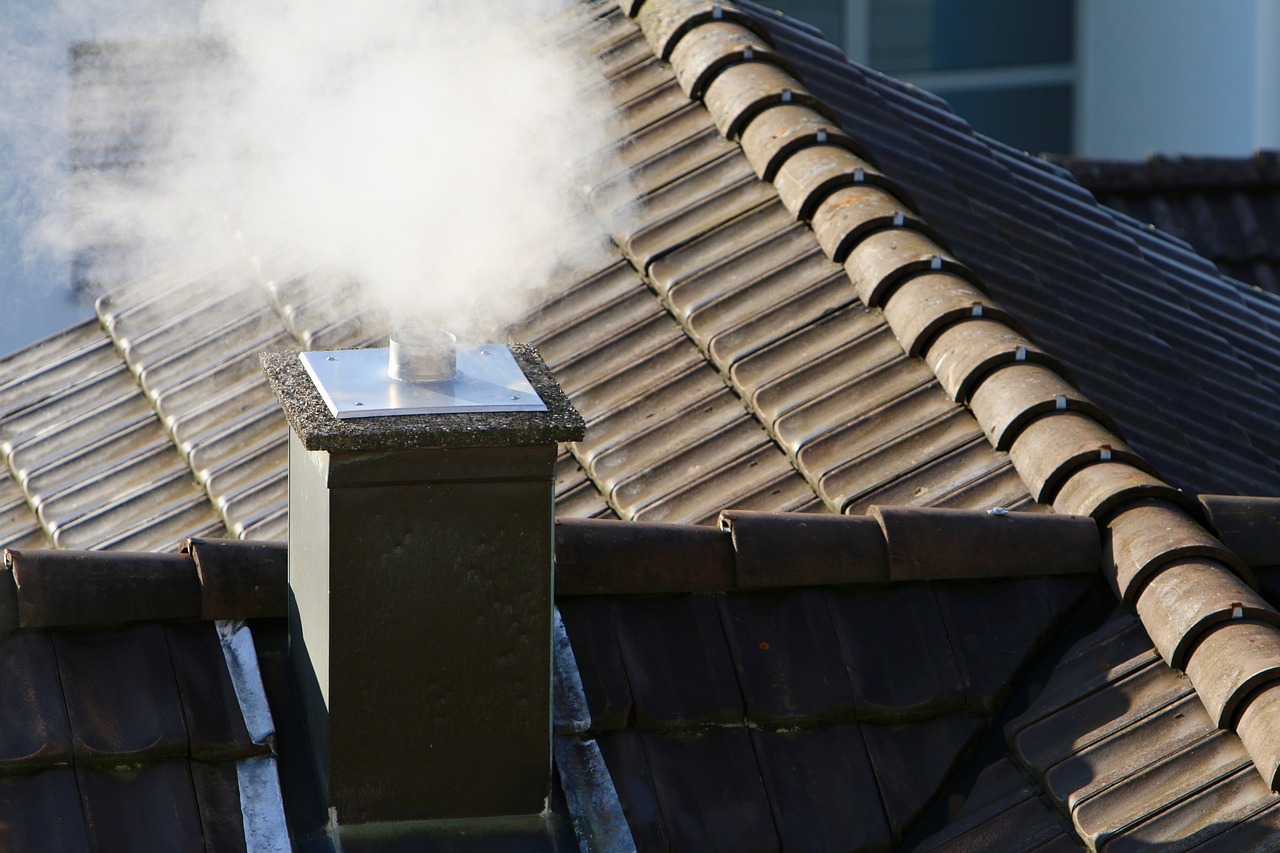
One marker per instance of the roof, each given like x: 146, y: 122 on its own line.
x: 831, y: 296
x: 1224, y: 207
x: 137, y: 714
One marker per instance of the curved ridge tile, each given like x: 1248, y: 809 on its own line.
x: 1098, y: 490
x: 1148, y: 536
x: 1259, y: 730
x: 965, y: 353
x: 713, y: 46
x: 1015, y: 395
x: 1232, y: 661
x: 883, y: 260
x: 1054, y: 447
x: 781, y: 130
x: 1186, y: 598
x: 666, y: 22
x: 743, y: 91
x: 806, y: 177
x: 851, y: 214
x: 920, y: 308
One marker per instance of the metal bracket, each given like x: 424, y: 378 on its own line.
x: 355, y: 384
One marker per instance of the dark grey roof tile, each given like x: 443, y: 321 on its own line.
x: 1126, y: 752
x: 42, y: 812
x: 1190, y: 773
x: 882, y: 260
x: 912, y: 762
x: 859, y: 415
x: 139, y: 451
x: 139, y: 478
x: 1099, y: 489
x: 152, y: 807
x: 995, y: 629
x: 969, y: 477
x: 1257, y: 730
x: 643, y: 111
x: 822, y: 789
x: 588, y: 620
x: 886, y: 632
x: 210, y: 708
x: 261, y: 427
x: 768, y: 230
x: 677, y: 662
x: 761, y: 480
x: 218, y: 798
x: 786, y: 657
x: 794, y: 549
x: 901, y: 456
x: 667, y: 22
x: 245, y: 507
x: 625, y: 756
x: 32, y: 693
x: 1249, y: 526
x: 122, y: 699
x: 806, y: 177
x: 1099, y: 714
x: 719, y: 771
x: 83, y: 413
x: 81, y: 354
x: 851, y: 214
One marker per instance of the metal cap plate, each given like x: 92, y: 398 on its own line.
x: 356, y: 384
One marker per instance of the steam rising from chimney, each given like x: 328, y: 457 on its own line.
x: 430, y: 150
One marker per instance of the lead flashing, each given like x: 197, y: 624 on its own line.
x: 320, y: 430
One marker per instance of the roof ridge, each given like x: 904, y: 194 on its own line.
x: 1191, y: 592
x: 209, y: 579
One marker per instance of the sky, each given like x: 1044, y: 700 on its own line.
x: 36, y: 298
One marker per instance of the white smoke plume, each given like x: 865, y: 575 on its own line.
x: 431, y: 150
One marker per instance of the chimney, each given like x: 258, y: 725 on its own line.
x: 420, y: 574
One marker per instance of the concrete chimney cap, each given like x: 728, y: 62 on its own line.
x: 318, y: 429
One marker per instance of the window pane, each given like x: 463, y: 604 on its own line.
x: 940, y: 35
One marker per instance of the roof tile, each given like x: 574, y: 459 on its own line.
x: 708, y: 48
x: 781, y: 130
x: 1013, y: 396
x: 677, y: 662
x: 719, y: 771
x: 1098, y: 490
x: 42, y: 812
x: 1249, y: 526
x: 1051, y: 449
x: 883, y: 260
x: 589, y: 622
x: 886, y: 632
x: 920, y: 308
x: 1186, y: 598
x: 666, y: 22
x: 121, y: 696
x: 71, y: 588
x: 30, y: 692
x: 1226, y: 804
x: 1231, y: 661
x: 1259, y: 730
x: 822, y: 789
x: 946, y: 544
x: 806, y: 177
x: 152, y: 807
x: 210, y: 708
x: 1147, y: 536
x: 850, y: 214
x: 912, y: 762
x: 218, y: 799
x: 602, y: 557
x: 624, y: 754
x: 743, y: 91
x: 1188, y: 772
x: 792, y: 549
x: 787, y: 661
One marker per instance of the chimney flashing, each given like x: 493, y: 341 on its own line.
x: 318, y: 429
